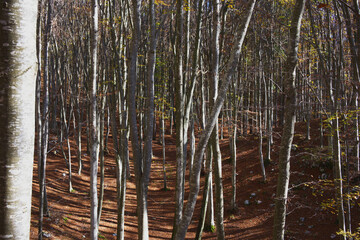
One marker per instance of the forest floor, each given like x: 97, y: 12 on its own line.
x: 311, y: 188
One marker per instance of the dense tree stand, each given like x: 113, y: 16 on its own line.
x: 177, y: 114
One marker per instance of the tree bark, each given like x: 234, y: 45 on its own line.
x: 204, y: 211
x: 179, y: 118
x: 150, y: 97
x: 143, y: 232
x: 219, y: 206
x: 45, y: 114
x: 289, y: 124
x: 17, y: 112
x: 94, y: 149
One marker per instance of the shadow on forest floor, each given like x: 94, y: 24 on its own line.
x: 70, y: 211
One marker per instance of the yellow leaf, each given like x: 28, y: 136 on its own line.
x: 161, y: 2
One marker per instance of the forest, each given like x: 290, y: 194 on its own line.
x: 183, y: 119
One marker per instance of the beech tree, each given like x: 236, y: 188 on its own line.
x: 94, y: 150
x: 17, y: 117
x: 214, y: 139
x: 44, y: 126
x: 289, y: 124
x: 179, y: 117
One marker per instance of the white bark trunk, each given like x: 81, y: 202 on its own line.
x: 17, y: 112
x: 179, y: 118
x: 94, y: 149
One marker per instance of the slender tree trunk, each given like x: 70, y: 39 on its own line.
x: 289, y: 124
x: 94, y: 149
x: 143, y: 232
x: 348, y: 200
x: 232, y: 141
x: 261, y: 156
x: 79, y: 127
x: 69, y: 147
x: 337, y: 153
x: 163, y: 148
x: 192, y: 142
x: 219, y: 206
x: 204, y: 206
x: 45, y: 117
x: 179, y: 118
x: 194, y: 74
x: 163, y: 131
x: 338, y: 181
x: 102, y: 150
x: 210, y: 216
x: 150, y: 99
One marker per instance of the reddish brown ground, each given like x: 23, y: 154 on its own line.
x: 70, y: 212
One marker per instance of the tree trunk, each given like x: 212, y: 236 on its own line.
x: 17, y: 112
x: 204, y: 205
x: 94, y: 148
x: 233, y: 160
x: 179, y: 118
x: 143, y: 232
x: 150, y: 99
x: 261, y: 156
x: 45, y: 118
x: 289, y: 124
x: 338, y: 179
x: 102, y: 149
x: 219, y: 206
x: 210, y: 219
